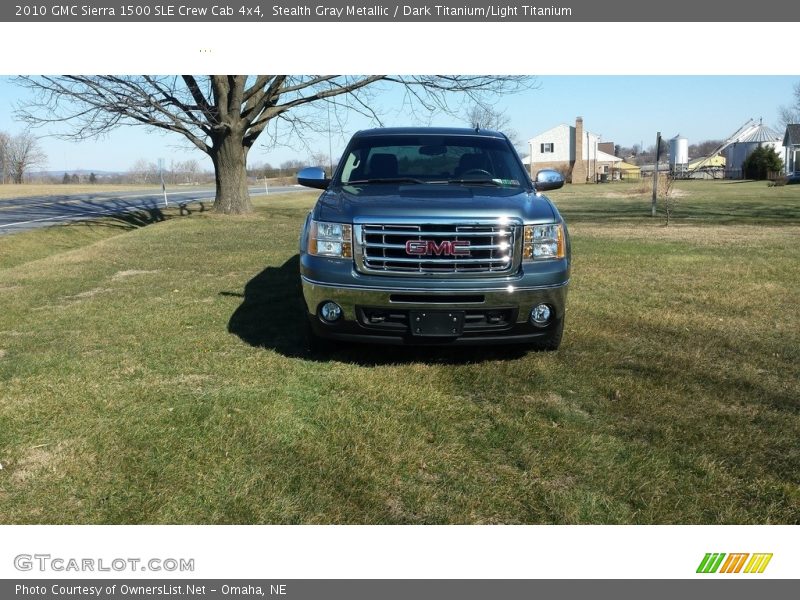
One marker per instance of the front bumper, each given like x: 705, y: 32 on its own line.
x: 494, y: 312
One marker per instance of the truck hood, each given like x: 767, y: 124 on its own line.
x: 377, y: 201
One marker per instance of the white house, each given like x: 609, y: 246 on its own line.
x: 572, y: 151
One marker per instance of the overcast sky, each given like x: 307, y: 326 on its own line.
x: 624, y: 109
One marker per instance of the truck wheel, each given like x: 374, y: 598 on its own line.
x: 315, y: 344
x: 552, y: 341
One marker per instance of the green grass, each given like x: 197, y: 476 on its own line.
x: 157, y: 375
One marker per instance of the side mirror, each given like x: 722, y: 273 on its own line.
x: 313, y: 177
x: 548, y: 179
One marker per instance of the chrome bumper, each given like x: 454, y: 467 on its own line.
x: 509, y: 296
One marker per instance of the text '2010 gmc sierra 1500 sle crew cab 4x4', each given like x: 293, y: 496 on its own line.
x: 434, y: 236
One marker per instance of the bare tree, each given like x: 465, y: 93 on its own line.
x: 174, y: 173
x: 190, y: 168
x: 4, y: 141
x: 181, y: 172
x: 791, y: 113
x: 143, y: 172
x: 488, y: 117
x: 320, y: 159
x: 669, y: 200
x: 224, y: 115
x: 22, y: 155
x: 704, y: 148
x: 293, y: 164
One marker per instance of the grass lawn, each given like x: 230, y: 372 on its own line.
x: 157, y: 374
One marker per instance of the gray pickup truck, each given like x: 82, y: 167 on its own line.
x: 434, y: 236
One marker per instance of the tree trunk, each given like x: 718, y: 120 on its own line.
x: 230, y: 172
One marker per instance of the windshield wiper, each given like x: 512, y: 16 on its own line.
x: 385, y: 180
x: 496, y: 182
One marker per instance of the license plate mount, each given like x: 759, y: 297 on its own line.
x: 436, y: 323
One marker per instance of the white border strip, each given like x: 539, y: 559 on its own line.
x: 490, y: 48
x: 427, y: 552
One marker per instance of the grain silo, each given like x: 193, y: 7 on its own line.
x: 757, y: 135
x: 678, y: 154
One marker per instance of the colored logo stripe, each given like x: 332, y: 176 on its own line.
x: 758, y: 563
x: 710, y: 562
x: 733, y: 564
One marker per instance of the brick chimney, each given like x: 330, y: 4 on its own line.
x: 579, y: 168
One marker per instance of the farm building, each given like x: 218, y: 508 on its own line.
x: 791, y: 146
x: 628, y: 171
x: 755, y: 136
x: 706, y: 167
x: 712, y: 162
x: 573, y: 151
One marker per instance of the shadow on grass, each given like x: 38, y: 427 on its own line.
x: 272, y: 316
x: 141, y: 217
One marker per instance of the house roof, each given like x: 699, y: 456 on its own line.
x: 562, y: 126
x: 547, y: 131
x: 792, y: 135
x: 706, y: 162
x: 662, y: 166
x: 623, y: 166
x: 606, y: 157
x: 758, y: 134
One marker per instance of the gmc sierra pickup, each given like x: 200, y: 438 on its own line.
x: 434, y: 236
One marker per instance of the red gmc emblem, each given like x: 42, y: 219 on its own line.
x: 444, y: 248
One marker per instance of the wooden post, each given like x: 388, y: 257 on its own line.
x: 655, y: 175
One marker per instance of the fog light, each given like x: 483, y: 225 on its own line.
x: 540, y: 315
x: 330, y: 312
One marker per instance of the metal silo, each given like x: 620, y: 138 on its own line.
x: 747, y: 140
x: 678, y: 154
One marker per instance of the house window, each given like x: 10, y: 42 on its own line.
x: 549, y: 147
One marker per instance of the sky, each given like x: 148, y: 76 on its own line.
x: 626, y: 110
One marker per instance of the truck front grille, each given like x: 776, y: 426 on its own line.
x: 482, y: 249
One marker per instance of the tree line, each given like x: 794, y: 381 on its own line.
x: 638, y: 155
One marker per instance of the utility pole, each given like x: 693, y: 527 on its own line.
x: 330, y: 143
x: 655, y: 175
x: 163, y: 185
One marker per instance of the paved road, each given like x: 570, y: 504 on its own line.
x: 20, y: 214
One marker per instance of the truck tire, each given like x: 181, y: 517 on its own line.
x: 552, y: 341
x: 314, y: 344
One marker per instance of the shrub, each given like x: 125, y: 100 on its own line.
x: 761, y: 162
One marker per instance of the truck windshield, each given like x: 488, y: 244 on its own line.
x: 459, y: 159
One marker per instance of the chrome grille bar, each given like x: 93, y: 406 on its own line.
x: 494, y: 248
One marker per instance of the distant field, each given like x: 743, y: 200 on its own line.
x: 10, y: 190
x: 158, y: 374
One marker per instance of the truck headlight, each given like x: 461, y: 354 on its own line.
x: 541, y: 242
x: 330, y: 239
